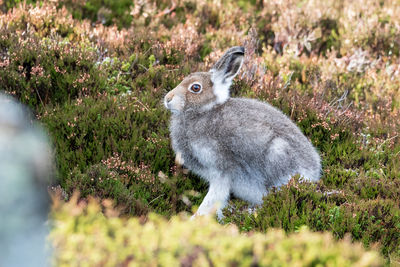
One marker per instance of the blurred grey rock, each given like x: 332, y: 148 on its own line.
x: 25, y: 171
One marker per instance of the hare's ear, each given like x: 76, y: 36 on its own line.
x: 228, y: 66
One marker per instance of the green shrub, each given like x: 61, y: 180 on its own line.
x: 42, y: 71
x: 101, y: 11
x: 82, y: 235
x: 322, y: 208
x: 91, y: 129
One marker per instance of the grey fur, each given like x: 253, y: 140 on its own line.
x: 241, y: 146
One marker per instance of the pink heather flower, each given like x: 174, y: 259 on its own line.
x: 4, y: 63
x: 37, y: 71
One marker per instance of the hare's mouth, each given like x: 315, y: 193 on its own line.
x: 175, y: 105
x: 171, y: 108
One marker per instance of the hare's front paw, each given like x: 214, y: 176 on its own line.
x: 193, y: 216
x: 220, y: 215
x: 178, y: 159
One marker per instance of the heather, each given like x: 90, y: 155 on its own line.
x: 95, y: 73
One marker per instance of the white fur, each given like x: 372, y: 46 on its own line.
x: 209, y: 106
x: 176, y: 104
x: 205, y: 153
x: 221, y: 91
x: 283, y: 180
x: 251, y: 192
x: 220, y: 87
x: 311, y: 176
x: 222, y: 84
x: 219, y: 186
x: 278, y: 146
x: 217, y: 196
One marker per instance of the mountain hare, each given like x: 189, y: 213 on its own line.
x: 240, y: 146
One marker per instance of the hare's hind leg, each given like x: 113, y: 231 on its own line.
x: 216, y: 198
x: 250, y: 191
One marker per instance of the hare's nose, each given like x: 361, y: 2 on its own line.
x: 168, y: 97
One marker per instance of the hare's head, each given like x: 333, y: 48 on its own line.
x: 203, y: 90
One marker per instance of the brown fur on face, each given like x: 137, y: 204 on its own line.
x: 185, y: 99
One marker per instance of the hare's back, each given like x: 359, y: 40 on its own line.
x: 254, y: 117
x: 259, y: 134
x: 262, y: 134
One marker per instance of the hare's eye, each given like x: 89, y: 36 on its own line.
x: 195, y: 88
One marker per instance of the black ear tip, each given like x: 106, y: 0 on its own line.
x: 236, y: 50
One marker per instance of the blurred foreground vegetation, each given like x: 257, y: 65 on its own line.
x: 95, y: 72
x: 154, y: 241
